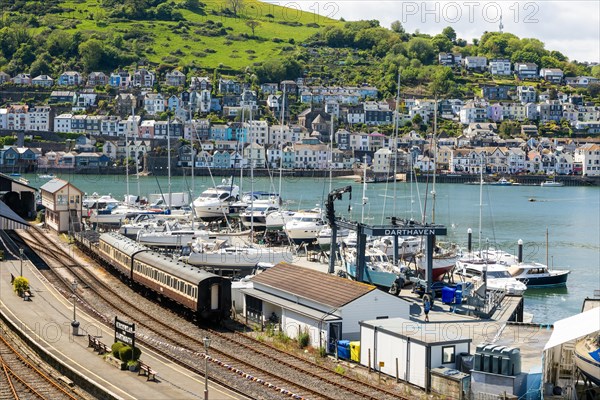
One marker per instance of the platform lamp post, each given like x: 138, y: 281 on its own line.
x: 74, y: 323
x: 206, y: 341
x: 21, y: 258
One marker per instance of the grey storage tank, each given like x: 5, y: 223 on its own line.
x: 513, y: 363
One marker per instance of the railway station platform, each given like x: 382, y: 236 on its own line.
x: 46, y: 320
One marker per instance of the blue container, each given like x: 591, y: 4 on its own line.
x: 458, y: 297
x: 448, y: 294
x: 344, y: 349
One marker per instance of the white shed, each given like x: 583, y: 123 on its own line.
x: 326, y: 306
x: 411, y: 349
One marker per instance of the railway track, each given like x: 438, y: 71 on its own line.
x: 252, y: 367
x: 21, y: 379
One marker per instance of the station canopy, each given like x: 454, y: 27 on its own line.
x: 10, y: 220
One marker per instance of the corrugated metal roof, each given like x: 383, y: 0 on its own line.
x: 290, y: 305
x: 322, y: 288
x: 53, y: 185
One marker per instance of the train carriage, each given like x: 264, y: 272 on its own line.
x: 207, y: 295
x: 118, y: 251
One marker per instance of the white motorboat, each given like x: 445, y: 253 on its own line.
x: 497, y: 277
x: 215, y: 202
x: 265, y: 214
x: 174, y: 235
x: 222, y: 255
x: 538, y: 275
x: 551, y: 183
x: 304, y: 226
x: 114, y: 215
x: 97, y: 202
x: 324, y: 237
x: 142, y: 222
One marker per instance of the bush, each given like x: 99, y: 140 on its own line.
x: 20, y: 285
x: 303, y: 339
x: 127, y: 353
x: 115, y: 348
x: 322, y: 352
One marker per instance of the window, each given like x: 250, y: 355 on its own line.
x: 448, y: 354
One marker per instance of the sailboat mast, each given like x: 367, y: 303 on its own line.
x: 364, y: 194
x: 331, y: 154
x: 192, y: 133
x: 395, y: 153
x: 480, y: 196
x: 169, y: 160
x: 251, y: 180
x: 127, y: 164
x: 137, y: 163
x: 281, y: 143
x: 434, y: 142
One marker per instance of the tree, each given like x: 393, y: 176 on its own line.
x: 41, y: 66
x: 397, y: 27
x: 252, y: 24
x: 442, y: 43
x: 450, y: 33
x: 442, y: 80
x: 191, y: 4
x: 91, y: 53
x: 236, y: 6
x: 596, y: 71
x: 421, y: 49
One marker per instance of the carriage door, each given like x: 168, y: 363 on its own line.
x: 214, y: 297
x: 335, y: 333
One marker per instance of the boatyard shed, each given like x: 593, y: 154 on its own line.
x: 18, y: 196
x: 327, y: 307
x: 63, y: 203
x: 411, y: 349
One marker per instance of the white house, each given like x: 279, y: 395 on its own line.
x: 39, y: 118
x: 325, y: 306
x: 258, y: 131
x: 589, y: 157
x: 475, y: 63
x: 154, y: 103
x: 500, y: 67
x: 382, y: 161
x: 62, y: 123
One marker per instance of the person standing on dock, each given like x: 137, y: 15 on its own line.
x: 426, y: 306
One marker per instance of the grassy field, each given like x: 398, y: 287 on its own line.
x: 187, y: 44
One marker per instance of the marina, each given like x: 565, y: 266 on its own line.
x: 573, y: 239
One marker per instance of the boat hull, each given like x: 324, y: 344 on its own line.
x: 239, y: 260
x: 589, y: 367
x: 545, y: 281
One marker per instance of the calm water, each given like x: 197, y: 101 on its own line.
x: 570, y: 214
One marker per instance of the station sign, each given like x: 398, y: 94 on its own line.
x: 124, y: 332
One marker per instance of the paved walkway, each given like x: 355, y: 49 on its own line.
x: 46, y: 319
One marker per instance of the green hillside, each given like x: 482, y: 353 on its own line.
x: 104, y: 34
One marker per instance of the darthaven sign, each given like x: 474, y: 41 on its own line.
x: 400, y: 231
x: 124, y: 332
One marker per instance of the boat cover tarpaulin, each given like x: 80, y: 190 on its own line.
x: 574, y: 327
